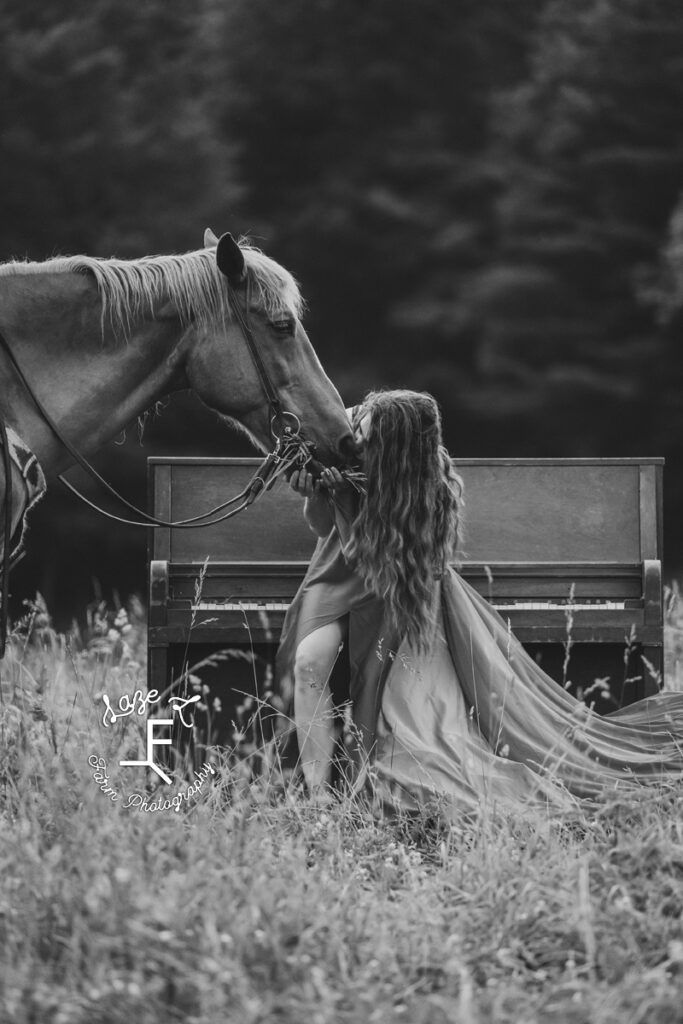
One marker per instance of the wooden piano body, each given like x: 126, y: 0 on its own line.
x: 545, y: 541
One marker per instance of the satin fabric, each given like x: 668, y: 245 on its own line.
x: 474, y: 723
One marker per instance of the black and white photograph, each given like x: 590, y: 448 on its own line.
x: 341, y: 512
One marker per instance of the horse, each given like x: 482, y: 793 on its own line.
x: 90, y: 344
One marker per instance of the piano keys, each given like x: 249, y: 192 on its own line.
x: 282, y: 606
x: 228, y: 605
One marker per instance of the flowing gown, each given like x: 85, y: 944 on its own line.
x: 474, y: 723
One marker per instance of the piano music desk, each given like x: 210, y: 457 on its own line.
x: 537, y: 532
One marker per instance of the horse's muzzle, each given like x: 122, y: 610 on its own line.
x: 348, y: 449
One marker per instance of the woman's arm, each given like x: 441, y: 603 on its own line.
x: 318, y: 514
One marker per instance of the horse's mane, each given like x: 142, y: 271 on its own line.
x: 191, y: 281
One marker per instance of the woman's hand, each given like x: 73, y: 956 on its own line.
x: 317, y: 512
x: 304, y: 483
x: 332, y: 480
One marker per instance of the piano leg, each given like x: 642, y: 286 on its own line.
x: 157, y: 669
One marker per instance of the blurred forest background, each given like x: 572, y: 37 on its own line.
x: 482, y: 198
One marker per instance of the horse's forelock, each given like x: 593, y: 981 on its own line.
x: 277, y: 291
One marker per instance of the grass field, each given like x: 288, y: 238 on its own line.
x: 251, y: 904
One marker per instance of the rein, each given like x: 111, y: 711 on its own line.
x: 291, y: 451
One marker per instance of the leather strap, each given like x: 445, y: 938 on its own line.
x: 243, y: 321
x: 7, y: 535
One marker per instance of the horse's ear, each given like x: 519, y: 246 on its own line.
x: 210, y: 240
x: 230, y: 260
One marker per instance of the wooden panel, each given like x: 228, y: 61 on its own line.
x: 271, y: 529
x: 652, y: 591
x: 555, y: 581
x: 265, y: 578
x: 532, y: 588
x: 531, y: 512
x: 158, y: 592
x: 648, y: 513
x: 160, y: 488
x: 515, y: 510
x: 223, y: 628
x: 237, y: 586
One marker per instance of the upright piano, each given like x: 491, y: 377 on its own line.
x: 568, y: 550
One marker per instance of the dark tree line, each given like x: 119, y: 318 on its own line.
x: 480, y: 198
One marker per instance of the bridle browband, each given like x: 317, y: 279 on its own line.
x: 291, y: 451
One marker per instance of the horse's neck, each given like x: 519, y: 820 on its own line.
x: 91, y: 382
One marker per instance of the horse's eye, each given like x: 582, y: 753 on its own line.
x: 284, y: 326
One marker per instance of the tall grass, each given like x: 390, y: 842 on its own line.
x: 253, y: 904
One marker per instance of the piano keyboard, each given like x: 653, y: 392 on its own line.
x: 545, y: 606
x: 243, y: 606
x: 558, y: 606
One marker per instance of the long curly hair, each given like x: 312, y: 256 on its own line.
x: 406, y: 529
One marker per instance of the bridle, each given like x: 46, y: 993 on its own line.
x: 291, y: 451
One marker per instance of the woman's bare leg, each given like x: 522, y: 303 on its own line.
x: 313, y: 707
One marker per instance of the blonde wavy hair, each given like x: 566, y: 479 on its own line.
x: 406, y: 529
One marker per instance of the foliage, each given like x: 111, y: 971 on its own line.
x: 380, y: 190
x: 592, y: 146
x: 252, y: 904
x: 107, y: 145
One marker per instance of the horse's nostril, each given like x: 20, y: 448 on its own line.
x: 348, y: 449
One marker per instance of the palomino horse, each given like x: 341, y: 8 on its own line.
x: 99, y: 341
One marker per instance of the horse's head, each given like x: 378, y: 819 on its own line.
x: 223, y: 371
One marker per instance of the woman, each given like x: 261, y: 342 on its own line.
x: 446, y: 704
